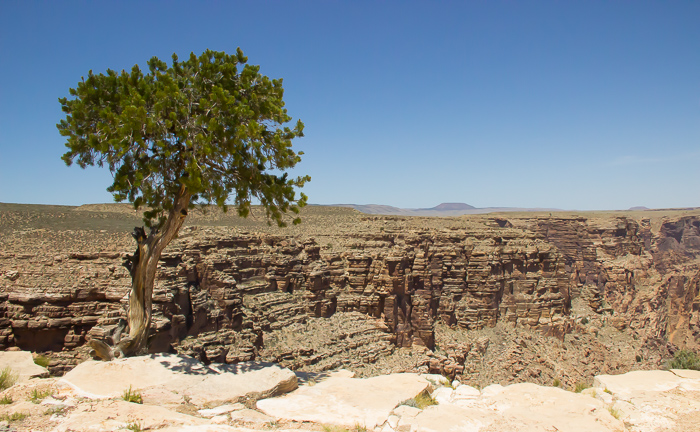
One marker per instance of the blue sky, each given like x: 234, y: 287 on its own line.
x: 568, y: 104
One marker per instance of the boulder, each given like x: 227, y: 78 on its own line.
x: 519, y: 407
x: 22, y: 363
x: 655, y: 400
x: 111, y: 415
x: 343, y: 401
x: 634, y: 382
x: 173, y: 378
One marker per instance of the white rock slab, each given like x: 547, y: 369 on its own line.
x: 227, y: 428
x: 22, y: 363
x: 466, y: 392
x: 251, y: 416
x: 492, y: 390
x: 442, y: 395
x: 312, y: 378
x: 520, y: 407
x: 112, y: 415
x: 686, y: 373
x: 181, y: 376
x: 436, y: 379
x: 100, y: 379
x: 636, y: 381
x: 346, y: 401
x: 222, y: 409
x: 259, y: 380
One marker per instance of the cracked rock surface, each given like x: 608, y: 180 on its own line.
x: 263, y: 397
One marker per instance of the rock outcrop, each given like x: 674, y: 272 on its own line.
x: 177, y: 393
x: 350, y: 290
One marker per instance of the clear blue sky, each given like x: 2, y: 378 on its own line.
x: 566, y: 104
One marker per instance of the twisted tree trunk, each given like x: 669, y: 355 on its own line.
x: 142, y: 266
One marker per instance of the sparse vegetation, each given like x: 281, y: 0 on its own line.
x: 556, y: 383
x: 638, y: 358
x: 59, y: 409
x: 584, y: 320
x: 41, y: 360
x: 273, y: 424
x: 607, y: 391
x: 8, y: 378
x: 132, y: 396
x: 334, y: 428
x: 450, y: 383
x: 37, y: 395
x: 13, y: 417
x: 421, y: 401
x: 614, y: 412
x: 580, y: 386
x: 6, y: 400
x: 685, y: 359
x: 134, y: 426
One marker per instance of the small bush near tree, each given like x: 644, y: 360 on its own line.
x: 134, y: 427
x: 36, y: 396
x: 685, y: 359
x: 334, y: 428
x: 614, y: 412
x: 41, y: 360
x: 580, y: 386
x: 421, y: 401
x: 8, y: 378
x: 132, y: 396
x: 13, y: 417
x: 57, y: 410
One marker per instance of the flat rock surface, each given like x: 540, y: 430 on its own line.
x: 180, y: 394
x: 520, y: 407
x: 111, y: 415
x: 346, y: 401
x: 632, y: 382
x: 171, y: 378
x: 22, y: 363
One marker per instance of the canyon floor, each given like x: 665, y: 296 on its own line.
x: 544, y: 298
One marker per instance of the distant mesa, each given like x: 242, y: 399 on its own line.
x: 444, y: 209
x: 639, y: 208
x: 452, y: 206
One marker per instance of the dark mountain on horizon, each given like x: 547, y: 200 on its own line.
x: 452, y: 206
x: 444, y: 209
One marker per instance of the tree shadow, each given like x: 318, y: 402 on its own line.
x: 191, y: 366
x: 311, y: 378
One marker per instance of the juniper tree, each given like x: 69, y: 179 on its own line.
x: 208, y: 130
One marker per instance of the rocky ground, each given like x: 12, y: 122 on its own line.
x: 487, y: 299
x: 169, y: 392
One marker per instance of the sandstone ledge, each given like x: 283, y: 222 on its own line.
x: 182, y: 394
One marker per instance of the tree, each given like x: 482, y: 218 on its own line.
x: 202, y: 131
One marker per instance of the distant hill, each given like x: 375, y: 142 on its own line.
x: 444, y: 209
x: 452, y: 206
x: 639, y: 208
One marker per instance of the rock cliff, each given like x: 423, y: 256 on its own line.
x: 349, y: 290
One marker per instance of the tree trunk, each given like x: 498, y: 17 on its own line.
x: 143, y: 266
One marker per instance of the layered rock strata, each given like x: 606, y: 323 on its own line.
x: 227, y: 295
x: 238, y: 286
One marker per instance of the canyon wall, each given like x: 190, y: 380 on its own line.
x: 223, y: 292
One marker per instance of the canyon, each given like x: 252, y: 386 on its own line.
x: 494, y: 298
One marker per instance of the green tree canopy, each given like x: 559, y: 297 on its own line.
x: 199, y: 131
x: 212, y: 124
